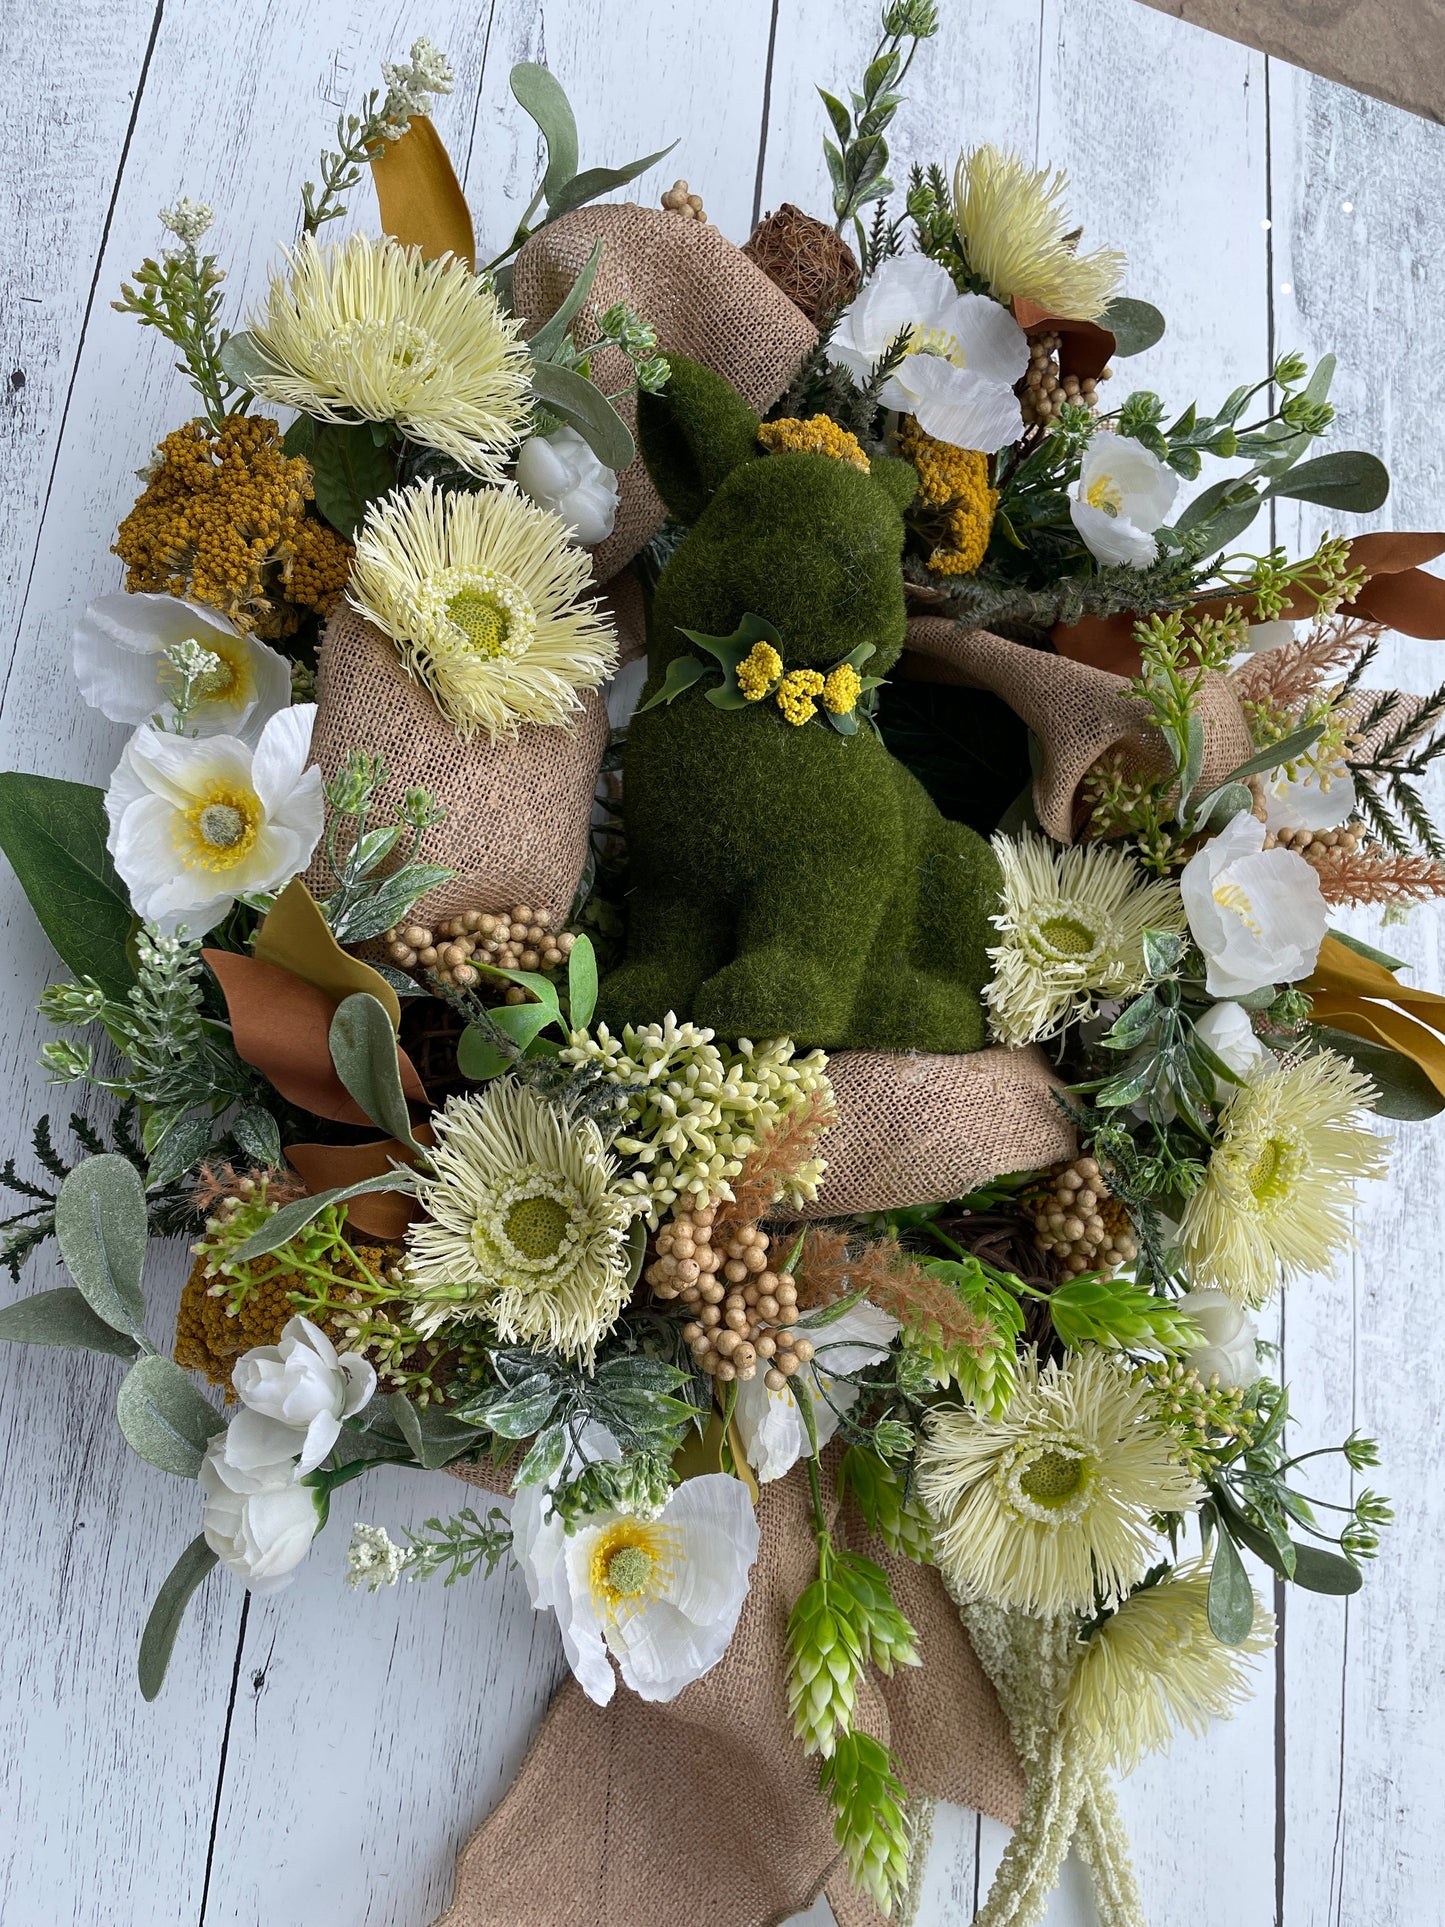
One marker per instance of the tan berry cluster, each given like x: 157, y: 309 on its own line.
x: 1081, y: 1223
x: 744, y: 1310
x: 516, y: 939
x: 1046, y: 390
x: 1320, y: 847
x: 678, y: 200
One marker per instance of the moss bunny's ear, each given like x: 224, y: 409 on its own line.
x: 693, y: 435
x: 897, y: 479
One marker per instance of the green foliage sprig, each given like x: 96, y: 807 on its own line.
x: 361, y: 136
x: 378, y: 878
x: 1387, y: 772
x: 859, y: 155
x: 170, y: 1207
x: 456, y: 1548
x: 179, y: 296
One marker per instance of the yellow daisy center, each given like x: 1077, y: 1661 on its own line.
x: 1272, y: 1175
x: 370, y: 351
x: 1053, y: 1477
x: 537, y: 1226
x: 1105, y: 493
x: 1067, y: 937
x: 219, y: 830
x: 632, y: 1561
x: 482, y: 619
x: 937, y: 341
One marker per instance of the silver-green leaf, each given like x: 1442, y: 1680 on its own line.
x: 100, y: 1226
x: 164, y: 1418
x: 158, y: 1640
x: 580, y: 402
x: 363, y: 1049
x: 62, y: 1317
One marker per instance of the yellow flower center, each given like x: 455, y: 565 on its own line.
x: 230, y: 681
x: 1067, y: 937
x: 363, y: 354
x: 632, y: 1561
x: 219, y: 830
x: 937, y: 341
x: 1053, y: 1477
x: 1273, y: 1172
x: 537, y: 1226
x: 1235, y: 898
x: 483, y: 619
x: 1104, y: 493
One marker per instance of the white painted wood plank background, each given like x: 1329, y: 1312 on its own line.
x: 317, y: 1758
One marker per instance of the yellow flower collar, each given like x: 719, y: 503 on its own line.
x: 753, y: 671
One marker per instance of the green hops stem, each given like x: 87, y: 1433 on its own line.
x: 1094, y: 1310
x: 887, y: 1639
x: 888, y: 1508
x: 862, y: 1784
x: 826, y: 1658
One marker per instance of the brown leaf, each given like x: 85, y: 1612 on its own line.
x: 326, y: 1167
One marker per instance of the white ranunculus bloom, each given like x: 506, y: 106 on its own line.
x: 560, y: 472
x: 1230, y: 1035
x: 1124, y: 494
x: 1230, y: 1346
x: 771, y: 1425
x: 1303, y: 803
x: 259, y: 1521
x: 964, y: 355
x: 661, y: 1596
x: 123, y: 670
x: 1258, y: 915
x: 306, y: 1385
x: 194, y: 825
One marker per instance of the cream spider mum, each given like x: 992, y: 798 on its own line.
x: 524, y: 1224
x: 1073, y: 923
x: 1042, y: 1507
x: 1292, y: 1148
x: 366, y: 330
x: 1155, y: 1666
x: 480, y: 592
x: 1017, y: 236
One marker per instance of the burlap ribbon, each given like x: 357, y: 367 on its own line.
x: 706, y: 1810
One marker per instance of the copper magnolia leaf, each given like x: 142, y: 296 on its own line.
x: 295, y: 936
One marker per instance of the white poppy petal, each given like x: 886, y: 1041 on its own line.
x: 281, y: 754
x: 993, y: 343
x: 958, y: 406
x: 660, y: 1650
x: 1112, y: 539
x: 771, y: 1427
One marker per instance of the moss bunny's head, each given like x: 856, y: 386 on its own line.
x: 812, y: 541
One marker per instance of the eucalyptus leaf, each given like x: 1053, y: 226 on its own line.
x: 158, y: 1640
x: 244, y: 361
x: 580, y: 402
x: 294, y: 1217
x: 1320, y: 1571
x: 1231, y: 1597
x: 1135, y: 325
x: 540, y: 94
x: 593, y: 181
x: 480, y: 1056
x: 1221, y: 806
x: 581, y: 983
x: 553, y: 332
x: 636, y: 1251
x: 363, y: 1049
x: 258, y: 1134
x: 54, y: 834
x: 62, y: 1317
x: 101, y: 1228
x: 432, y: 1438
x: 682, y: 673
x: 1348, y: 479
x: 351, y: 472
x: 164, y: 1419
x: 183, y: 1146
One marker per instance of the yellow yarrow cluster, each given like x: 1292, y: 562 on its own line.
x: 842, y: 689
x: 796, y: 693
x: 759, y: 670
x: 816, y: 436
x: 223, y: 521
x: 954, y: 483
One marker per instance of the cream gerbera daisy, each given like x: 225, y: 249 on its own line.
x: 523, y: 1223
x: 1155, y: 1666
x: 1016, y: 235
x: 480, y: 592
x: 1073, y: 923
x: 1050, y: 1504
x: 1277, y: 1194
x: 366, y: 330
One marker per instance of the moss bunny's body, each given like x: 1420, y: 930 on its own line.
x: 787, y: 880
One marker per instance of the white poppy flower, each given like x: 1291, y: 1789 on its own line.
x: 1124, y: 494
x: 1227, y: 1031
x: 194, y: 825
x: 1303, y: 803
x: 560, y: 472
x: 123, y: 671
x: 538, y: 1535
x: 1258, y: 915
x: 259, y: 1520
x: 1229, y: 1347
x: 661, y: 1596
x: 964, y: 355
x: 306, y: 1385
x: 770, y: 1423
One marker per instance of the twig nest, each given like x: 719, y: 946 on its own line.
x: 812, y: 265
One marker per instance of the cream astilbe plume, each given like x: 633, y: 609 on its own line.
x: 1073, y: 923
x: 1015, y: 232
x: 1155, y: 1666
x: 1291, y: 1150
x: 366, y: 330
x: 1049, y: 1505
x: 524, y: 1224
x: 482, y: 595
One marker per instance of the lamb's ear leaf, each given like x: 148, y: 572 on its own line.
x: 693, y: 435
